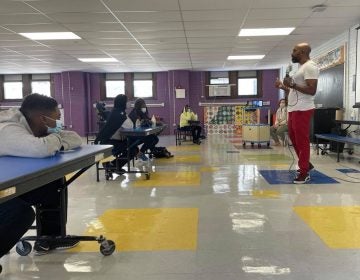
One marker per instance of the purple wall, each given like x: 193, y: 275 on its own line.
x: 78, y: 91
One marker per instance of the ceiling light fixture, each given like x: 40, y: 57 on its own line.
x: 99, y: 59
x: 245, y: 57
x: 247, y: 32
x: 51, y: 36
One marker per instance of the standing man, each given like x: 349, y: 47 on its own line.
x: 300, y: 91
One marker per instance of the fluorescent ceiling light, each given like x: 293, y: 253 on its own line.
x: 245, y: 57
x: 266, y: 31
x: 98, y: 59
x: 51, y: 36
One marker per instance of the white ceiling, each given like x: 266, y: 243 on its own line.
x: 160, y: 35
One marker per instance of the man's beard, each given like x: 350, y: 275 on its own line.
x: 294, y: 59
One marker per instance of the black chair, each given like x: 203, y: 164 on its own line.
x: 182, y: 135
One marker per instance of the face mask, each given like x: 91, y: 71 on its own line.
x: 143, y: 110
x: 58, y: 127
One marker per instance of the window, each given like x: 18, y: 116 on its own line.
x: 40, y: 83
x: 13, y: 87
x: 114, y: 84
x: 41, y: 87
x: 219, y: 78
x: 13, y: 90
x: 247, y: 83
x: 143, y: 85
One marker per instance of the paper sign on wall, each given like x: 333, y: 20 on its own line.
x: 180, y: 92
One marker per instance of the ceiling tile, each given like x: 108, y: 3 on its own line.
x: 140, y: 5
x: 56, y: 6
x: 154, y: 26
x: 148, y: 16
x: 82, y: 17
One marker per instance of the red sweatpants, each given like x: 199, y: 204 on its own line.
x: 299, y: 133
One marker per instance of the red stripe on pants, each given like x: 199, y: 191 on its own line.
x: 299, y: 133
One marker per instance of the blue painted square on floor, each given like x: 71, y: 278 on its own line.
x: 348, y: 170
x: 275, y: 177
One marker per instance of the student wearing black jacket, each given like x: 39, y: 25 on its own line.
x: 140, y: 112
x: 109, y: 134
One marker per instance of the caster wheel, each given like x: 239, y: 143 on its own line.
x: 350, y: 152
x: 323, y: 153
x: 147, y: 176
x: 107, y: 247
x: 23, y: 248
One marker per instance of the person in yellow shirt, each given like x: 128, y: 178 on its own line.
x: 185, y: 124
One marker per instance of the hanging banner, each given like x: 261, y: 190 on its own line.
x: 331, y: 59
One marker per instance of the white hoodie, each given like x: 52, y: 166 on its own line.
x: 17, y: 139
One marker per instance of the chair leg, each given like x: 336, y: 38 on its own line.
x: 97, y: 172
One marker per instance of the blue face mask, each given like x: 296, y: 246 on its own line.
x: 58, y: 127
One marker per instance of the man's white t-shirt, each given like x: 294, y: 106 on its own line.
x: 298, y: 101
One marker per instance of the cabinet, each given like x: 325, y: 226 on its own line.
x: 256, y: 134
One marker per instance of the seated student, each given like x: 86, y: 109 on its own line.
x: 186, y: 116
x: 140, y: 112
x: 34, y: 130
x: 280, y: 126
x: 110, y: 134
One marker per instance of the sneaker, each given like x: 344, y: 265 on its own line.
x: 63, y: 244
x: 311, y: 168
x: 143, y: 157
x: 41, y: 248
x: 302, y: 179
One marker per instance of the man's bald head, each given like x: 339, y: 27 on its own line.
x: 301, y: 53
x: 305, y: 47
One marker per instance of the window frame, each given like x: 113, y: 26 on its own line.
x: 51, y: 90
x: 109, y: 97
x: 258, y: 76
x: 26, y: 80
x: 129, y: 87
x: 153, y: 79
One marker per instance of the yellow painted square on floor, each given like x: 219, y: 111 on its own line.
x: 179, y: 159
x: 148, y: 229
x: 170, y: 179
x: 337, y: 226
x: 266, y: 194
x: 209, y: 169
x: 184, y: 148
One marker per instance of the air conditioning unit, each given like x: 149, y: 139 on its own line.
x: 219, y: 90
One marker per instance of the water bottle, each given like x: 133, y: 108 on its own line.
x: 153, y: 121
x: 137, y: 123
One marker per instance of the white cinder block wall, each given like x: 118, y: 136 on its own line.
x: 348, y: 38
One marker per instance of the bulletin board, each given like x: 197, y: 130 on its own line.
x: 226, y: 119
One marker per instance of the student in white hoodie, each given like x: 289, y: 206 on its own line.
x: 34, y: 130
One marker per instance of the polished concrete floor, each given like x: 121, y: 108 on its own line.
x: 214, y: 211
